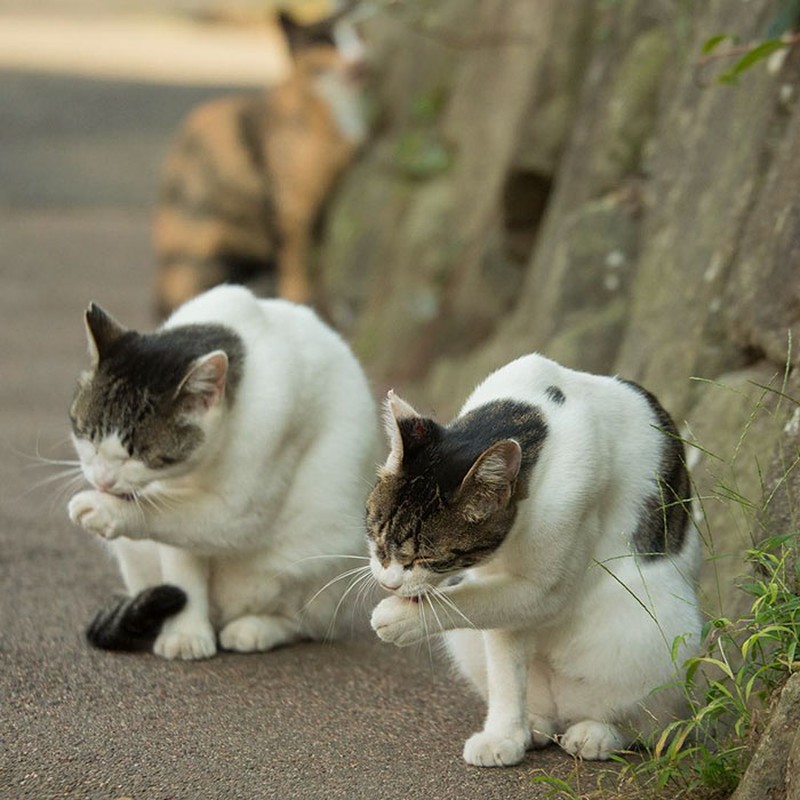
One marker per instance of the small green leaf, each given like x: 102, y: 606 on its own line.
x: 753, y: 56
x: 712, y: 43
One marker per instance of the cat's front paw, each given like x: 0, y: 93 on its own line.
x: 399, y: 620
x: 592, y: 740
x: 255, y: 634
x: 97, y: 513
x: 184, y: 639
x: 490, y: 749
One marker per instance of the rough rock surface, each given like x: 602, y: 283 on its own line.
x: 567, y: 177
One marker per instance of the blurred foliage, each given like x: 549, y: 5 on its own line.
x: 778, y: 37
x: 421, y: 152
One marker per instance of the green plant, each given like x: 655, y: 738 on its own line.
x: 745, y: 660
x: 779, y: 36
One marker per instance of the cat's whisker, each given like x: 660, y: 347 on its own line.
x: 360, y: 575
x: 361, y: 582
x: 342, y: 576
x: 42, y: 461
x: 422, y: 600
x: 159, y: 501
x: 327, y: 558
x: 73, y: 474
x: 448, y: 603
x: 362, y: 596
x: 70, y: 484
x: 431, y: 596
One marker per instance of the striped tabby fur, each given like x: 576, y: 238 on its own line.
x: 245, y: 182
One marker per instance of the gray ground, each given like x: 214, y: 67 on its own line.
x: 78, y: 166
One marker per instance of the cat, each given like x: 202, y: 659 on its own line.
x: 244, y: 185
x: 229, y: 455
x: 546, y: 531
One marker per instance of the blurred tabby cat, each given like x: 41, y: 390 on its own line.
x: 228, y: 454
x: 247, y: 177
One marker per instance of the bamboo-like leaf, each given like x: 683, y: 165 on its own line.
x: 711, y: 44
x: 758, y: 53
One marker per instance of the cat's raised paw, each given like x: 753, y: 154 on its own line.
x: 399, y: 620
x: 485, y: 749
x: 592, y: 740
x: 95, y: 513
x: 186, y: 643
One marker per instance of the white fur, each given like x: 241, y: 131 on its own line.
x: 340, y: 87
x: 571, y: 635
x: 272, y: 502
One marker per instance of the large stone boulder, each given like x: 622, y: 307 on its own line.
x: 564, y: 176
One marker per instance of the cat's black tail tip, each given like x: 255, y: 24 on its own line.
x: 132, y: 623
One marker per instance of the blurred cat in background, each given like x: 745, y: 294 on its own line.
x: 245, y: 183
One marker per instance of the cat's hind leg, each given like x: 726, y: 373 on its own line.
x: 542, y: 713
x: 256, y: 633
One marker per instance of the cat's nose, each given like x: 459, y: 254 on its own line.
x: 391, y: 578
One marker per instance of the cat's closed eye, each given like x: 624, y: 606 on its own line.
x: 159, y: 461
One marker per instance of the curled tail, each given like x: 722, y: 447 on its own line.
x: 134, y: 622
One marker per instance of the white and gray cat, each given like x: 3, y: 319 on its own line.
x: 562, y: 502
x: 229, y: 454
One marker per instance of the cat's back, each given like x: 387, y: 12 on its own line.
x: 291, y: 355
x: 265, y: 325
x: 538, y: 380
x: 598, y: 416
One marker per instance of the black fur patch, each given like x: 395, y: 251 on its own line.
x: 133, y: 623
x: 665, y: 517
x: 468, y: 436
x: 158, y: 362
x: 555, y: 394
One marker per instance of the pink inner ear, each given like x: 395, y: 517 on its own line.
x: 206, y: 379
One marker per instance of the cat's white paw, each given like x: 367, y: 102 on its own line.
x: 96, y: 513
x: 399, y: 620
x: 254, y: 634
x: 489, y: 749
x: 592, y: 740
x: 188, y: 640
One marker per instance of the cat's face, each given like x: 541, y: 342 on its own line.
x: 436, y: 508
x: 328, y: 52
x: 149, y: 408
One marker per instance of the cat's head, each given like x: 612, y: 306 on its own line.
x: 330, y: 51
x: 151, y: 406
x: 439, y: 506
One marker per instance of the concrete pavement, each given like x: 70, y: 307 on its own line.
x: 78, y: 166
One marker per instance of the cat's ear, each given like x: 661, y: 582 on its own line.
x: 489, y: 484
x: 395, y: 412
x: 204, y: 383
x: 102, y: 331
x: 293, y: 31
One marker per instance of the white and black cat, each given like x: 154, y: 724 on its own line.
x: 229, y: 454
x: 562, y: 502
